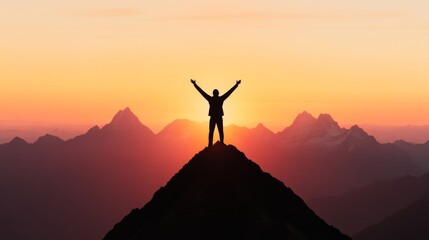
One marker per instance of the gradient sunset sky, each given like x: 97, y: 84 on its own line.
x: 80, y: 61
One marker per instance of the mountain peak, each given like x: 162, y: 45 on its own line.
x: 126, y: 120
x: 181, y: 128
x: 303, y: 120
x: 356, y: 130
x: 48, y: 139
x: 180, y: 123
x: 356, y: 138
x: 18, y: 141
x: 261, y: 128
x: 325, y: 117
x: 93, y: 130
x: 327, y: 120
x: 124, y: 116
x: 220, y: 194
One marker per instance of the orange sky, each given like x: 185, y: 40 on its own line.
x: 78, y: 62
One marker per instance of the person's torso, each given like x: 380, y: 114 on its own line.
x: 216, y: 107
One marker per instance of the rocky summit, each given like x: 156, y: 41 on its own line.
x: 220, y: 194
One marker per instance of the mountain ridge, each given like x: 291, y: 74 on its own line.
x: 335, y: 146
x: 127, y: 120
x: 408, y: 223
x: 92, y: 171
x: 220, y: 194
x: 359, y: 208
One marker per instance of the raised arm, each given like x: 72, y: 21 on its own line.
x: 226, y: 95
x: 205, y: 95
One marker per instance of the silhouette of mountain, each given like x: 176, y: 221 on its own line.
x: 303, y: 120
x: 220, y: 194
x: 124, y: 131
x: 126, y: 122
x: 323, y: 132
x: 7, y: 135
x: 357, y: 138
x: 360, y: 208
x: 258, y: 142
x: 93, y: 130
x: 184, y: 137
x: 318, y: 141
x: 98, y: 176
x: 30, y: 133
x: 419, y: 152
x: 183, y: 133
x: 75, y: 189
x: 182, y: 128
x: 342, y: 159
x: 48, y: 140
x: 263, y: 130
x: 17, y: 141
x: 390, y: 134
x: 410, y: 223
x: 257, y: 134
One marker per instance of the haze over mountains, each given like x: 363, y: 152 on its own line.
x: 359, y: 208
x: 383, y: 134
x: 408, y: 223
x: 32, y: 133
x: 419, y: 152
x: 77, y: 189
x: 409, y: 133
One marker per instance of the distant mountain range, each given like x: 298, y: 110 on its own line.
x: 32, y: 133
x: 419, y: 152
x: 78, y: 188
x: 409, y: 133
x: 341, y: 158
x: 360, y: 208
x: 383, y: 134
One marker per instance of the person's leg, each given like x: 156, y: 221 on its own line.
x: 211, y: 130
x: 220, y: 128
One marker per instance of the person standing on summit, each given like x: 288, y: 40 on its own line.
x: 216, y: 110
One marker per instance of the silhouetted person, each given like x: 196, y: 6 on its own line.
x: 215, y: 111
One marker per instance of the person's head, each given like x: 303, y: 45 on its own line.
x: 215, y: 93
